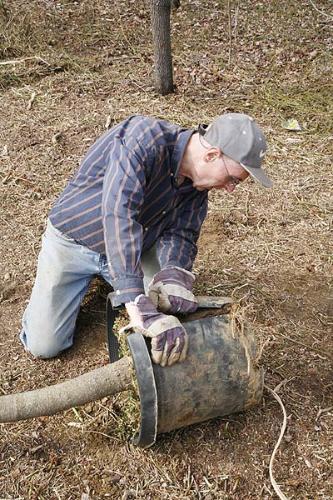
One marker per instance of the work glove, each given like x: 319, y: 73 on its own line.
x: 169, y: 340
x: 171, y: 291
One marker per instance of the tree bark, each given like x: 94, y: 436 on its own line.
x: 160, y: 22
x: 97, y: 384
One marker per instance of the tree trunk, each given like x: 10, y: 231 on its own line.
x: 160, y: 21
x: 97, y: 384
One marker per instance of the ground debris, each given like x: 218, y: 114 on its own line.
x: 90, y: 66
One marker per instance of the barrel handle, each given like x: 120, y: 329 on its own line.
x: 111, y: 315
x: 146, y: 436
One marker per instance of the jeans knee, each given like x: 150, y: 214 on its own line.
x: 43, y: 351
x: 42, y: 347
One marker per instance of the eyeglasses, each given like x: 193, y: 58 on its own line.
x: 234, y: 180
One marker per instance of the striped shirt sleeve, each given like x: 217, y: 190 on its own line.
x: 123, y: 194
x: 178, y: 244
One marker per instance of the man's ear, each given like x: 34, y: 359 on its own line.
x: 212, y: 154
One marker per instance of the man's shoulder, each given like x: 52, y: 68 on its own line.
x: 146, y: 130
x: 149, y: 122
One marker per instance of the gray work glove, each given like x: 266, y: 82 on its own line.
x: 171, y: 291
x: 169, y: 338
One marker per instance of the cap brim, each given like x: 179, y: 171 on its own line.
x: 259, y: 175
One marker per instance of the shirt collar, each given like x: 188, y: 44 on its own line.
x: 178, y: 151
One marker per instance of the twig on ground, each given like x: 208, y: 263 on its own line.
x: 323, y: 410
x: 108, y: 122
x: 247, y: 202
x: 282, y: 383
x: 236, y: 23
x: 318, y: 351
x: 283, y: 428
x: 230, y: 33
x: 261, y: 349
x: 20, y: 61
x: 320, y: 11
x: 31, y: 100
x: 102, y: 434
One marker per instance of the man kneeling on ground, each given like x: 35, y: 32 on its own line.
x: 132, y: 214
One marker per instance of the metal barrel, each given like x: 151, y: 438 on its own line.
x: 220, y: 376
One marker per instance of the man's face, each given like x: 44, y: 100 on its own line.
x: 218, y: 171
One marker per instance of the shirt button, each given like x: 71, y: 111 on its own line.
x: 171, y: 175
x: 146, y: 228
x: 164, y: 212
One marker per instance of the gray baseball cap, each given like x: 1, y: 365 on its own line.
x: 240, y: 138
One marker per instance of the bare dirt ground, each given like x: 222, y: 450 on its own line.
x: 77, y: 67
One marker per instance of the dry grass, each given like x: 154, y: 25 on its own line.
x: 83, y: 65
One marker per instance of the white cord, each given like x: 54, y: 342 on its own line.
x: 320, y: 11
x: 283, y: 428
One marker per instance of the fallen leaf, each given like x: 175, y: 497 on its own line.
x: 292, y: 124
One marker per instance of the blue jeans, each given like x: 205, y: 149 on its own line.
x: 64, y: 272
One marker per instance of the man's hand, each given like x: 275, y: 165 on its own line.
x: 171, y: 291
x: 169, y: 338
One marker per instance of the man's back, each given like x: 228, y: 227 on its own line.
x: 154, y: 148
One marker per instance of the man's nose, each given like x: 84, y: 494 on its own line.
x: 229, y: 187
